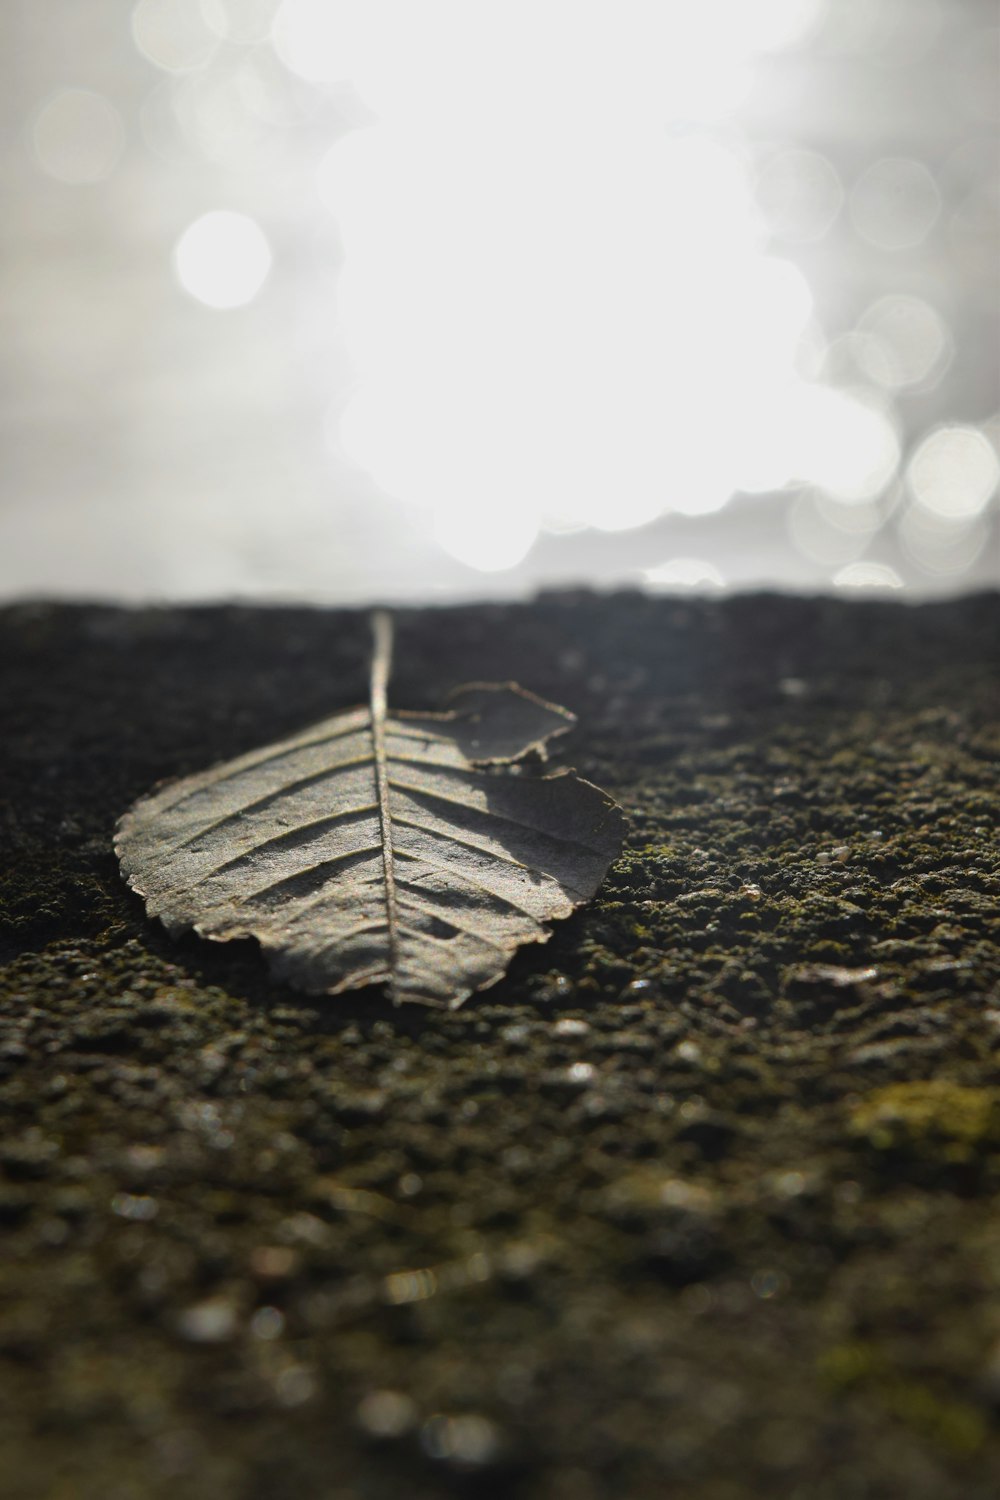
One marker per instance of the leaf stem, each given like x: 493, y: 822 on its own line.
x: 381, y: 661
x: 381, y: 667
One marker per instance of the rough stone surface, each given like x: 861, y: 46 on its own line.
x: 700, y: 1201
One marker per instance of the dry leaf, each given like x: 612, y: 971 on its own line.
x: 403, y: 849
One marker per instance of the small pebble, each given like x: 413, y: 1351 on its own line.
x: 267, y: 1323
x: 295, y: 1385
x: 210, y: 1322
x: 274, y: 1262
x: 768, y: 1283
x: 463, y: 1440
x: 386, y: 1414
x: 571, y: 1026
x: 137, y: 1207
x: 580, y: 1072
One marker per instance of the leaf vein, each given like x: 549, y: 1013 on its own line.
x: 209, y: 782
x: 260, y: 802
x: 465, y: 931
x: 486, y: 812
x: 462, y: 877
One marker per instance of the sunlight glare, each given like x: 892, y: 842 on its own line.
x: 557, y: 309
x: 490, y: 539
x: 846, y: 446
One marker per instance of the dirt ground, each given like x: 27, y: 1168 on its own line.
x: 699, y: 1202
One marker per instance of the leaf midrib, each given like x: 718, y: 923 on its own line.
x: 381, y: 657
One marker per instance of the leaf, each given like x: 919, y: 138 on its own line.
x: 404, y: 849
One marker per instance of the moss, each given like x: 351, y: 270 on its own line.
x: 846, y: 1366
x: 957, y: 1427
x: 933, y: 1116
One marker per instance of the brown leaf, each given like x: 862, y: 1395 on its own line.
x: 410, y: 850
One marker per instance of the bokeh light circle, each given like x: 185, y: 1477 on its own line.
x: 223, y: 259
x: 240, y: 21
x: 939, y: 546
x: 895, y: 203
x: 954, y: 472
x: 906, y: 342
x: 77, y: 137
x: 173, y: 34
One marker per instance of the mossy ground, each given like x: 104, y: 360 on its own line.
x: 701, y: 1201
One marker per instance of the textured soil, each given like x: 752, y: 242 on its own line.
x: 700, y: 1201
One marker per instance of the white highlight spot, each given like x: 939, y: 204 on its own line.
x: 222, y: 259
x: 954, y: 472
x: 814, y: 434
x: 77, y: 137
x: 684, y: 573
x: 867, y: 575
x: 489, y: 538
